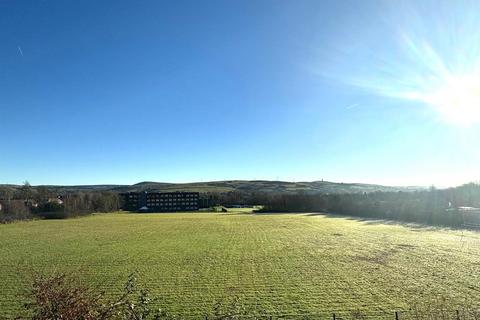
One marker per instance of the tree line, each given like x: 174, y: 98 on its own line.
x: 29, y: 202
x: 432, y: 206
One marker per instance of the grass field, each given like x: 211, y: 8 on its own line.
x: 283, y: 263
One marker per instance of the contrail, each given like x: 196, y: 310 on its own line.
x: 20, y: 50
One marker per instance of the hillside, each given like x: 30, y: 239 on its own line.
x: 237, y: 185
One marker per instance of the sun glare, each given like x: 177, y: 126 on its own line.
x: 457, y: 99
x: 431, y: 58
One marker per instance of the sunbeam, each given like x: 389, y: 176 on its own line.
x: 432, y: 58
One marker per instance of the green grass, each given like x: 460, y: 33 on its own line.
x: 287, y: 263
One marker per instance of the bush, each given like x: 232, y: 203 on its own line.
x: 51, y: 210
x: 62, y: 296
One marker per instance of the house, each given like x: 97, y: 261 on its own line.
x: 471, y: 216
x: 57, y: 200
x: 160, y: 201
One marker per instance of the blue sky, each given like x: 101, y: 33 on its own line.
x: 353, y: 91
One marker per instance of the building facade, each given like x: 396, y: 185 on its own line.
x: 160, y: 201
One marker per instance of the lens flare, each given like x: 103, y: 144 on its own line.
x: 431, y: 57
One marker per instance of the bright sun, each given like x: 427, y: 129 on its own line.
x: 457, y: 99
x: 430, y: 58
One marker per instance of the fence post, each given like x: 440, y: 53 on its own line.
x: 396, y: 315
x: 458, y: 314
x: 334, y: 316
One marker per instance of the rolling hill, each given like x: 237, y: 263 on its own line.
x: 247, y: 186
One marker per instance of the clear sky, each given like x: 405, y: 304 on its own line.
x: 126, y: 91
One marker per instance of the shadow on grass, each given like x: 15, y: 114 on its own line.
x: 376, y: 221
x: 253, y: 213
x: 415, y: 226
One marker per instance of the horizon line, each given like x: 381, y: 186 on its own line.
x: 240, y: 180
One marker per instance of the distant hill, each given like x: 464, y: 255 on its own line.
x: 237, y: 185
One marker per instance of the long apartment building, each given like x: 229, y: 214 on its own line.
x: 161, y: 201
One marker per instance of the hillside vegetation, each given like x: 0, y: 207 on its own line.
x: 247, y: 186
x: 280, y: 264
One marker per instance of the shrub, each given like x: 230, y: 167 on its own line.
x: 51, y: 210
x: 62, y: 296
